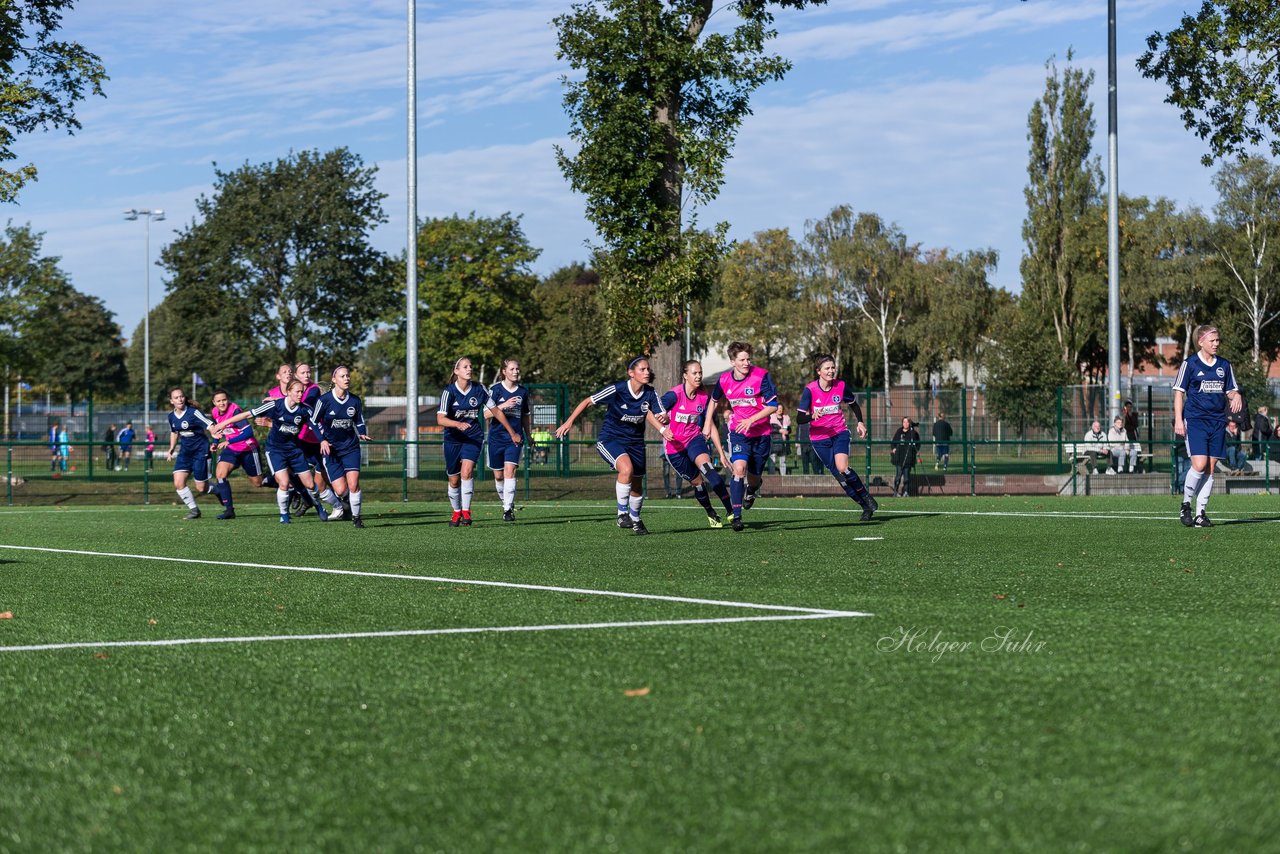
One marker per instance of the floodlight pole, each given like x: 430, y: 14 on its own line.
x: 1113, y: 220
x: 147, y: 215
x: 411, y: 260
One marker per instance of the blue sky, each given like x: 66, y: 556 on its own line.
x: 915, y: 110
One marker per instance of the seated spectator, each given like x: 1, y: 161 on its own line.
x: 1236, y: 461
x: 1094, y: 445
x: 1121, y: 447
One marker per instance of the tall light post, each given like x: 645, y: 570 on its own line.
x: 147, y: 215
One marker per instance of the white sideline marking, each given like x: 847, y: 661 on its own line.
x: 788, y: 612
x: 867, y: 539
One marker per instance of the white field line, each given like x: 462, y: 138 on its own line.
x: 408, y: 633
x: 787, y: 612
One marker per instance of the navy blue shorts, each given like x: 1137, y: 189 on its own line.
x: 288, y: 458
x: 611, y: 449
x: 503, y: 453
x: 685, y: 462
x: 455, y: 452
x: 826, y: 449
x: 941, y: 451
x: 753, y: 449
x: 196, y: 462
x: 247, y: 460
x: 311, y: 453
x: 1206, y: 439
x: 339, y: 462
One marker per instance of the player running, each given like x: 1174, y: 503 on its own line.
x: 187, y: 433
x: 311, y: 442
x: 1204, y: 390
x: 461, y: 406
x: 631, y: 403
x: 819, y: 407
x: 339, y: 421
x: 237, y: 449
x: 749, y: 393
x: 284, y: 450
x: 511, y: 399
x: 687, y: 450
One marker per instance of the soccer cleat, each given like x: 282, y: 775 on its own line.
x: 869, y: 509
x: 193, y: 513
x: 336, y: 513
x: 715, y: 521
x: 466, y: 518
x: 321, y: 513
x: 1202, y: 521
x: 638, y: 527
x: 284, y: 519
x: 227, y: 514
x: 624, y: 520
x: 297, y: 504
x: 1185, y: 516
x: 508, y: 515
x: 456, y: 520
x: 748, y: 500
x: 737, y: 523
x: 357, y: 521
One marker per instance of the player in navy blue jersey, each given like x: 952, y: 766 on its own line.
x: 338, y: 419
x: 1203, y: 392
x: 512, y: 400
x: 630, y: 404
x: 311, y: 442
x: 461, y: 414
x: 284, y: 450
x: 188, y: 428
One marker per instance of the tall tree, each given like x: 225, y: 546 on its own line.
x: 1189, y: 284
x: 569, y: 343
x: 1248, y: 212
x: 1223, y: 71
x: 654, y: 113
x: 959, y: 303
x: 1025, y: 371
x: 759, y: 301
x: 862, y: 263
x: 290, y: 240
x: 41, y: 80
x: 1059, y: 267
x: 475, y: 293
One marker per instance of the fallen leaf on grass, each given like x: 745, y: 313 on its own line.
x: 1001, y: 596
x: 636, y: 692
x: 151, y: 622
x: 6, y: 615
x: 101, y: 655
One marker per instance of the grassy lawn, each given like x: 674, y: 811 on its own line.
x: 1035, y: 674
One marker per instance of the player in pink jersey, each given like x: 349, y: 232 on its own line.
x: 819, y: 407
x: 236, y: 448
x: 751, y: 397
x: 687, y: 450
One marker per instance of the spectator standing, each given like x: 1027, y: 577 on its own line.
x: 126, y: 438
x: 904, y: 451
x: 1131, y: 421
x: 151, y: 446
x: 1262, y: 433
x: 54, y: 456
x: 780, y: 435
x: 941, y: 442
x: 109, y: 447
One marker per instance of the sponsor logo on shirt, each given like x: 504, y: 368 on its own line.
x: 826, y: 410
x: 735, y: 402
x: 1212, y: 387
x: 687, y: 417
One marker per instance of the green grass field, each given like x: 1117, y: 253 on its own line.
x: 1047, y: 674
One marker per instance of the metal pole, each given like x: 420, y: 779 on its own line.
x: 411, y: 261
x: 1113, y: 220
x: 146, y: 327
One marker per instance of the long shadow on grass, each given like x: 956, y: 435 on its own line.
x: 1248, y: 521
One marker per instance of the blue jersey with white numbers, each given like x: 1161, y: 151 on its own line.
x: 468, y: 406
x: 625, y: 417
x: 499, y: 395
x: 1206, y: 387
x: 339, y: 421
x: 190, y: 425
x: 286, y: 421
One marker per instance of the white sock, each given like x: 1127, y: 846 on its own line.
x: 455, y: 494
x: 468, y: 490
x: 329, y: 496
x: 623, y: 491
x: 1202, y: 497
x: 1192, y: 485
x: 187, y: 498
x: 355, y: 503
x: 636, y: 502
x: 282, y: 500
x: 500, y: 484
x: 509, y: 494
